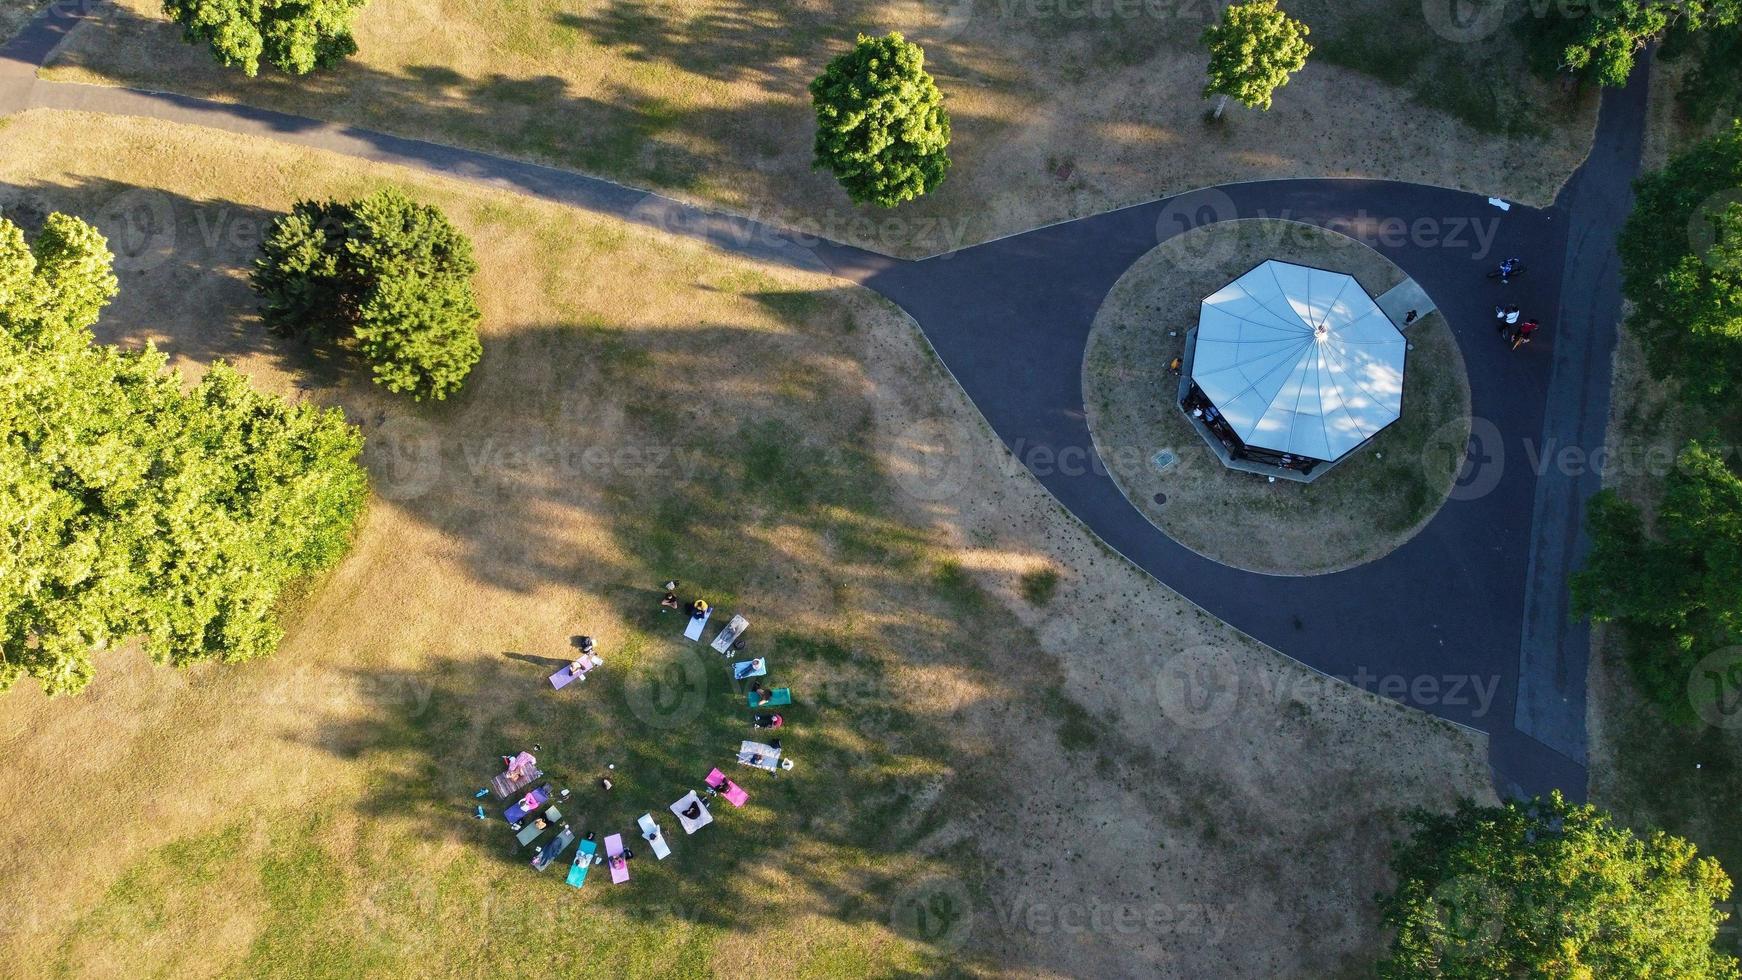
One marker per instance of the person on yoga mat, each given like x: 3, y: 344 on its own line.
x: 761, y: 693
x: 698, y: 608
x: 693, y: 811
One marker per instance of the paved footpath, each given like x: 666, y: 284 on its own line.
x: 1468, y: 620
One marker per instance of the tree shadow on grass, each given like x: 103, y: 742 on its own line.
x: 182, y: 265
x: 728, y: 42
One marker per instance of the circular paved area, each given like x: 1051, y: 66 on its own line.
x: 1361, y: 509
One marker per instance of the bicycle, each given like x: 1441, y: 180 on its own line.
x: 1504, y: 275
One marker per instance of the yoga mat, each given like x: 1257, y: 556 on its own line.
x: 661, y: 849
x: 778, y: 697
x: 728, y: 636
x: 694, y: 630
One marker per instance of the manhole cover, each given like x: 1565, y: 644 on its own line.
x: 1163, y: 460
x: 1161, y: 498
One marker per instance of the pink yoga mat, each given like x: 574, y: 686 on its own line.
x: 613, y: 851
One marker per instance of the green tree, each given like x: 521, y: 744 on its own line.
x: 1254, y: 49
x: 386, y: 274
x: 882, y: 128
x: 1600, y: 41
x: 294, y: 36
x: 130, y: 506
x: 1677, y: 593
x: 1545, y: 888
x: 1681, y: 266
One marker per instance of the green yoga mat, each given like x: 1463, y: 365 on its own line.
x: 584, y: 860
x: 778, y: 696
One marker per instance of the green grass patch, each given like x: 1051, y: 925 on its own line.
x: 1039, y: 585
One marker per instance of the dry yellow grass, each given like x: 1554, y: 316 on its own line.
x: 1060, y: 108
x: 1371, y: 503
x: 310, y: 814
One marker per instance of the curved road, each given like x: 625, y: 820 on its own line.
x: 1468, y: 620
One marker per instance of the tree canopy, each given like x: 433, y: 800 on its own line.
x: 1677, y: 592
x: 132, y: 507
x: 882, y: 128
x: 1600, y: 41
x: 294, y: 36
x: 386, y: 274
x: 1545, y: 888
x: 1681, y: 266
x: 1254, y: 49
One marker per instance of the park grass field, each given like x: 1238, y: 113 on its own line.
x: 1060, y: 108
x: 979, y: 682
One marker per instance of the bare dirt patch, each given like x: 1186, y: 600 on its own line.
x: 311, y: 813
x: 1060, y: 108
x: 1372, y: 502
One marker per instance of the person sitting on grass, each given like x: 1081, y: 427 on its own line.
x: 768, y: 720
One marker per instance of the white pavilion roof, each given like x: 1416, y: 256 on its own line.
x: 1299, y: 360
